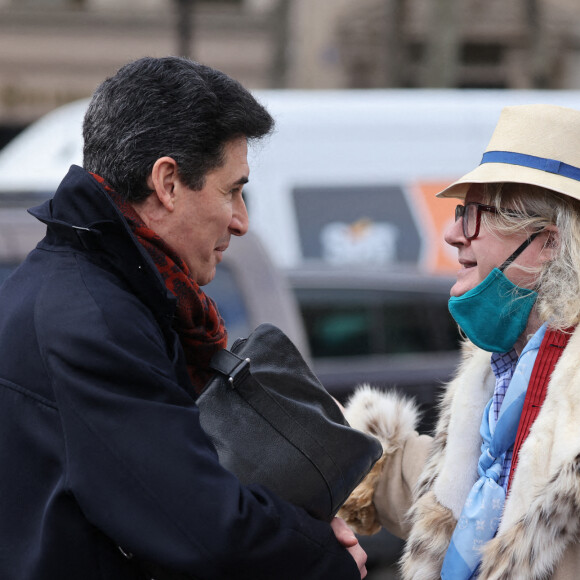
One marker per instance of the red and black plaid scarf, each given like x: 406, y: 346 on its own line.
x: 197, y: 321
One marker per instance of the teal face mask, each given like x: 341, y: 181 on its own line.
x: 494, y: 314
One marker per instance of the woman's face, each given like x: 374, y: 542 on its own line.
x: 489, y: 250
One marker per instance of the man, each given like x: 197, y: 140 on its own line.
x: 106, y: 337
x: 495, y: 493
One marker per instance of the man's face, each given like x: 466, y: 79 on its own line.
x: 202, y: 222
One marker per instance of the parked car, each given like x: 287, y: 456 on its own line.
x: 390, y: 329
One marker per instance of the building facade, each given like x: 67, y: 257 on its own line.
x: 55, y: 51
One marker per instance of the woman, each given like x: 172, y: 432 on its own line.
x: 495, y: 492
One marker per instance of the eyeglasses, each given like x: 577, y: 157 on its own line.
x: 471, y: 214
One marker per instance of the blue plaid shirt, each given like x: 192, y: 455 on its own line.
x: 503, y: 366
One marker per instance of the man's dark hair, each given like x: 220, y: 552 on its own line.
x: 156, y: 107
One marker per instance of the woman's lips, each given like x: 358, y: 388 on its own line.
x: 467, y: 264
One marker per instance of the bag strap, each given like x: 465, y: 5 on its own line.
x: 231, y: 366
x: 237, y: 371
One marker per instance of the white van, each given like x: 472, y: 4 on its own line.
x: 342, y: 198
x: 347, y: 179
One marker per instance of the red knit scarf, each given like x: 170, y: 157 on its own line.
x: 197, y: 321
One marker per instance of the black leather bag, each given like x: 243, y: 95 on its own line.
x: 273, y: 423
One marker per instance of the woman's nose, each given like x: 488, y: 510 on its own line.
x: 454, y: 233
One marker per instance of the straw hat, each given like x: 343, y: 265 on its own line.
x: 534, y: 144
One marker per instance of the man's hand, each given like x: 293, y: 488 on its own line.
x: 347, y: 538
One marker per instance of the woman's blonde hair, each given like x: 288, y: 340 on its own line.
x: 558, y: 281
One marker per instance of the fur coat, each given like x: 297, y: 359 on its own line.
x: 417, y: 489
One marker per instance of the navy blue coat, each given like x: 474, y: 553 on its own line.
x: 100, y: 442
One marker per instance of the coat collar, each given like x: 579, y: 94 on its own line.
x: 466, y: 397
x: 83, y: 217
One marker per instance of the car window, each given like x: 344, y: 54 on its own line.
x: 229, y: 299
x: 355, y: 322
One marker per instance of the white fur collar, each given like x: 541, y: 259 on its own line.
x: 469, y: 393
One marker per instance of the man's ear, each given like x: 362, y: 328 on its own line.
x: 163, y: 181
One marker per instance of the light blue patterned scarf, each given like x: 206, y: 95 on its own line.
x: 483, y: 507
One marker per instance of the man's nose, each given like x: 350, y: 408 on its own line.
x: 240, y: 220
